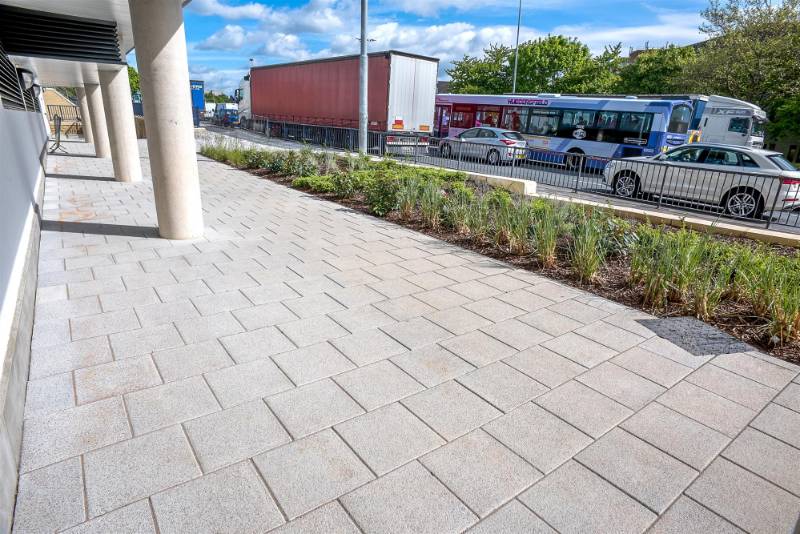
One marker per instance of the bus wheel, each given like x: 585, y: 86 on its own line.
x: 743, y: 202
x: 626, y: 184
x: 446, y: 151
x: 574, y: 160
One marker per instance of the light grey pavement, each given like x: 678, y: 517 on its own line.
x: 306, y: 368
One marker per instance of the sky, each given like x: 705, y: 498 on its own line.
x: 222, y: 35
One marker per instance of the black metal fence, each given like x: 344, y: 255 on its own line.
x: 736, y: 194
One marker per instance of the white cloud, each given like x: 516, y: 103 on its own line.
x: 317, y: 16
x: 231, y: 37
x: 252, y: 10
x: 284, y: 46
x: 427, y: 8
x: 217, y: 80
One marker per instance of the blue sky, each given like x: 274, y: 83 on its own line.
x: 223, y: 34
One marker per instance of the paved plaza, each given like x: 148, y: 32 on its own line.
x: 309, y: 369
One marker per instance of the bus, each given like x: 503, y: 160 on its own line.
x: 566, y: 129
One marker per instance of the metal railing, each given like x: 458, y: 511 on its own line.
x: 738, y: 194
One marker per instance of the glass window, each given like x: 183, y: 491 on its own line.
x: 469, y: 134
x: 607, y: 120
x: 747, y: 161
x: 781, y: 162
x: 513, y: 135
x: 685, y: 155
x: 573, y: 118
x: 718, y: 156
x: 487, y: 134
x: 487, y: 116
x: 544, y: 123
x: 515, y: 119
x: 679, y: 119
x: 462, y: 118
x: 739, y: 125
x: 636, y: 122
x: 758, y: 128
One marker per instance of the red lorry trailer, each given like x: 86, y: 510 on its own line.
x: 401, y: 87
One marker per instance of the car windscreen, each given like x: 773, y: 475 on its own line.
x: 781, y: 162
x: 514, y: 135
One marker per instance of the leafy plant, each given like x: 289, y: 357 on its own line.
x: 318, y: 184
x: 549, y: 221
x: 408, y: 194
x: 478, y: 217
x: 587, y: 253
x: 381, y: 194
x: 457, y: 206
x: 431, y: 201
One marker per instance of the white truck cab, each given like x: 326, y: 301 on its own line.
x: 732, y: 122
x: 242, y: 95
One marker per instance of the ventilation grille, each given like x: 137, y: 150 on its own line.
x: 26, y: 32
x: 10, y: 90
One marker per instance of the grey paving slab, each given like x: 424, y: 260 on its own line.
x: 579, y: 311
x: 208, y: 328
x: 115, y: 378
x: 682, y: 437
x: 102, y: 324
x: 51, y: 498
x: 481, y: 471
x: 517, y: 334
x: 166, y: 312
x: 748, y: 501
x: 554, y: 291
x: 145, y: 340
x: 610, y: 335
x: 408, y: 499
x: 512, y: 518
x: 686, y: 516
x: 494, y: 309
x: 580, y: 349
x: 368, y: 346
x: 625, y: 387
x: 395, y: 288
x: 642, y: 471
x: 51, y: 333
x: 136, y: 518
x: 378, y: 384
x: 363, y: 318
x: 388, y: 437
x: 667, y: 349
x: 732, y: 386
x: 311, y: 471
x: 65, y: 309
x: 756, y: 369
x: 313, y: 305
x: 766, y: 456
x: 658, y: 369
x: 130, y: 470
x: 451, y: 409
x: 221, y: 302
x: 312, y: 363
x: 432, y: 365
x: 584, y: 408
x: 708, y: 408
x: 313, y: 407
x: 790, y: 397
x: 247, y: 381
x: 478, y: 348
x: 442, y: 298
x: 458, y: 320
x: 779, y: 422
x: 538, y: 436
x: 502, y: 385
x: 324, y: 520
x: 256, y: 344
x: 185, y: 290
x: 233, y: 499
x: 171, y: 403
x: 404, y: 308
x: 273, y: 292
x: 573, y: 499
x: 417, y: 333
x: 545, y: 366
x: 191, y: 360
x: 49, y: 395
x: 305, y: 332
x: 475, y: 290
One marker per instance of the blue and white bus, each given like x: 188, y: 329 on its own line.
x: 558, y: 128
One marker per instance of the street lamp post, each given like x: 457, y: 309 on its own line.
x: 516, y: 49
x: 362, y: 83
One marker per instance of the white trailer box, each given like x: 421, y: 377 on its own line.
x: 412, y: 93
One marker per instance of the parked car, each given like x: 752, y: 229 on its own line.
x: 743, y: 181
x: 492, y: 145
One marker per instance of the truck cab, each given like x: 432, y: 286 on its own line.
x: 242, y: 95
x: 732, y: 122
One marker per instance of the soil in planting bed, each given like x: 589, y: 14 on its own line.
x: 612, y: 281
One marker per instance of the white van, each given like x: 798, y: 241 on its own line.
x: 731, y: 122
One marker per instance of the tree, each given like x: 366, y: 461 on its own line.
x: 133, y: 79
x: 211, y: 96
x: 657, y: 71
x: 751, y: 53
x: 786, y: 119
x: 551, y: 64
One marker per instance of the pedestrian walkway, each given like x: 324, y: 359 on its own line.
x: 307, y: 368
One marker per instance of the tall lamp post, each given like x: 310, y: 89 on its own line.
x: 362, y: 83
x: 516, y: 49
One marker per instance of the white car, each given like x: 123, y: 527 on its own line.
x: 743, y: 181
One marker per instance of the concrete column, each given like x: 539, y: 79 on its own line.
x: 121, y: 128
x: 86, y: 120
x: 94, y: 96
x: 160, y: 43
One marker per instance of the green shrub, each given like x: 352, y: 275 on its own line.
x: 478, y: 217
x: 549, y: 222
x: 318, y: 184
x: 457, y: 206
x: 431, y: 200
x: 345, y: 184
x: 380, y: 193
x: 587, y: 254
x: 327, y: 162
x: 407, y: 197
x: 256, y: 159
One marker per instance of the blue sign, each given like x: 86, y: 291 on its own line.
x: 198, y: 100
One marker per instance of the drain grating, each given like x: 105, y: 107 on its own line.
x: 695, y: 336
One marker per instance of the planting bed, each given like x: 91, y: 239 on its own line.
x: 749, y: 290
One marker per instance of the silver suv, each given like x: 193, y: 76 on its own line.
x: 743, y: 181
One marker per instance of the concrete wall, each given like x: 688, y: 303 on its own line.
x: 23, y: 147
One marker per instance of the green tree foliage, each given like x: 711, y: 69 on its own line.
x: 217, y: 98
x: 550, y: 64
x: 786, y: 118
x: 658, y: 71
x: 133, y: 79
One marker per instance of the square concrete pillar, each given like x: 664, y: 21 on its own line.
x: 121, y: 126
x: 160, y: 44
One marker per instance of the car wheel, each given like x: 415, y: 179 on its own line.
x: 493, y: 157
x: 446, y: 151
x: 744, y: 204
x: 626, y: 184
